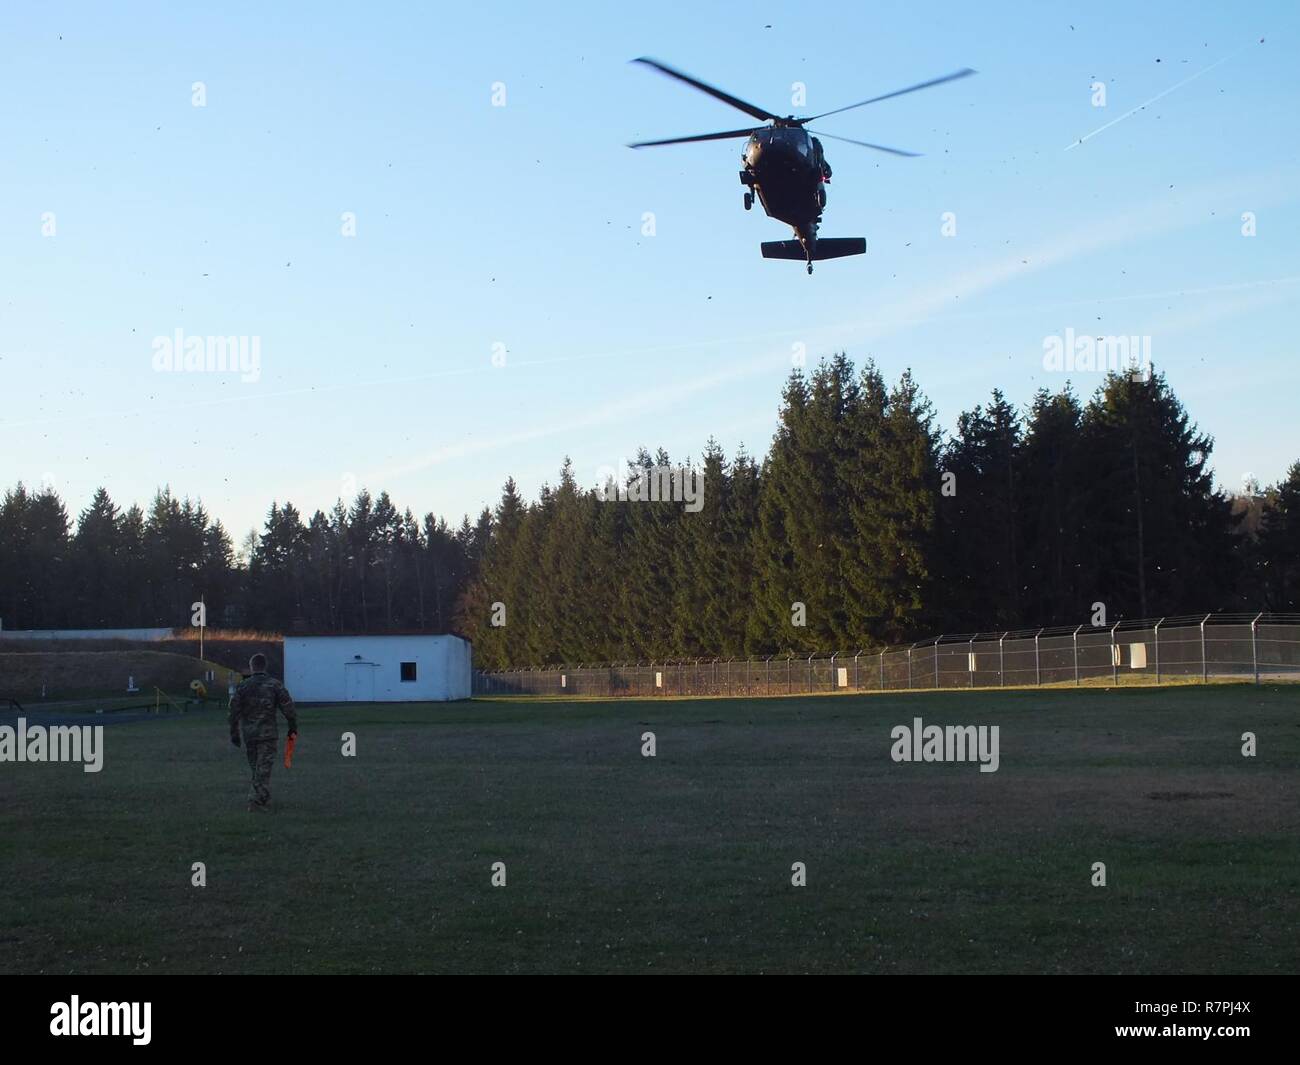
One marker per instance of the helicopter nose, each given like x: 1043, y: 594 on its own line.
x: 771, y: 151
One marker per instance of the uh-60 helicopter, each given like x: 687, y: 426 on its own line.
x: 786, y: 167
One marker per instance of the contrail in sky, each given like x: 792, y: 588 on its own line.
x: 1153, y: 99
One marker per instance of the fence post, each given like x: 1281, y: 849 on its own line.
x: 810, y: 672
x: 833, y: 685
x: 789, y: 678
x: 936, y: 661
x: 1076, y: 656
x: 970, y: 661
x: 1038, y: 669
x: 909, y: 667
x: 882, y: 669
x: 1156, y: 641
x: 1114, y: 658
x: 1254, y: 648
x: 857, y: 672
x: 1002, y: 661
x: 1205, y: 665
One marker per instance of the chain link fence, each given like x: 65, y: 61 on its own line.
x: 1151, y: 651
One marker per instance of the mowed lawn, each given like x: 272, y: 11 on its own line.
x: 617, y: 862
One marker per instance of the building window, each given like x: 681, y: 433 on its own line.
x: 408, y: 671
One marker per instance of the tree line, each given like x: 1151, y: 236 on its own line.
x: 863, y: 524
x: 365, y: 567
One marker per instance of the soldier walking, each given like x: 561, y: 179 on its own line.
x: 253, y: 708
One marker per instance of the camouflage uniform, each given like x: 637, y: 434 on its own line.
x: 253, y: 707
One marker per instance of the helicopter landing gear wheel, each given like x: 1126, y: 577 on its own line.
x: 749, y: 200
x: 810, y: 268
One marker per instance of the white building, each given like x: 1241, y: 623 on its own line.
x: 376, y: 669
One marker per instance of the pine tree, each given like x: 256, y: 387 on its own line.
x: 739, y: 521
x: 699, y: 588
x: 98, y: 563
x: 361, y: 551
x: 1058, y: 564
x: 910, y: 481
x: 781, y: 535
x: 979, y: 519
x: 494, y: 581
x: 646, y: 602
x: 1278, y: 553
x: 1162, y: 533
x: 34, y: 556
x: 387, y: 546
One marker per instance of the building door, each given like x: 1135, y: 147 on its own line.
x: 360, y: 678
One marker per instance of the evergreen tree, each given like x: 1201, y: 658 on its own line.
x: 34, y: 555
x: 647, y: 591
x: 699, y: 591
x: 909, y: 479
x: 1161, y: 534
x: 730, y: 611
x: 780, y: 536
x: 980, y: 521
x: 1278, y: 551
x: 98, y: 563
x: 1055, y: 482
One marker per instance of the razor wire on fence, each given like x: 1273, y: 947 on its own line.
x: 1191, y: 648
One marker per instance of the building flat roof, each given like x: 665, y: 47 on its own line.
x: 364, y: 635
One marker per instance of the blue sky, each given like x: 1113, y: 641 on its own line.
x: 521, y: 226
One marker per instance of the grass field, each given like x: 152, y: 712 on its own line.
x: 620, y: 863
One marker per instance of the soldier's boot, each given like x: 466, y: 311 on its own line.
x: 259, y: 807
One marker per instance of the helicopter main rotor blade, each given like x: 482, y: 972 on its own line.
x: 726, y: 135
x: 866, y: 144
x: 717, y: 94
x: 963, y: 73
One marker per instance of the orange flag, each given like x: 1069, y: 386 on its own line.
x: 288, y: 750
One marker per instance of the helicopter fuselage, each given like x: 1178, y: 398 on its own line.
x: 785, y: 169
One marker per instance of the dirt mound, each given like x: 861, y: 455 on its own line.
x: 51, y: 675
x: 228, y: 648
